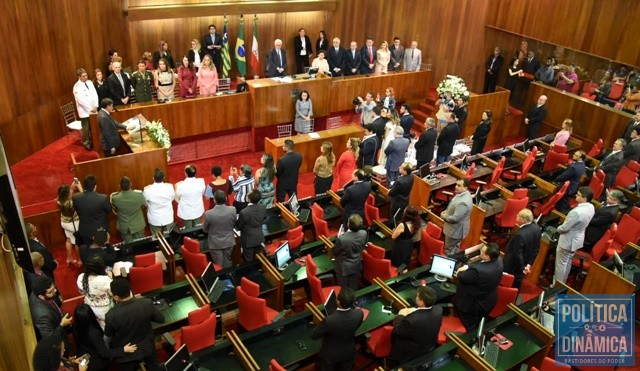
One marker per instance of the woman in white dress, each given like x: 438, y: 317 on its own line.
x: 94, y: 284
x: 389, y: 135
x: 383, y: 57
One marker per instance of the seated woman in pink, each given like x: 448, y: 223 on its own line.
x: 567, y: 79
x: 563, y: 135
x: 207, y: 77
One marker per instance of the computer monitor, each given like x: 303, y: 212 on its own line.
x: 241, y: 87
x: 539, y: 307
x: 480, y: 338
x: 424, y: 170
x: 283, y: 255
x: 443, y: 267
x: 294, y: 205
x: 179, y: 361
x: 618, y: 264
x: 209, y: 277
x: 331, y: 304
x: 313, y: 70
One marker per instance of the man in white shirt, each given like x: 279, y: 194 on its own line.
x: 189, y: 196
x: 159, y: 197
x: 86, y: 103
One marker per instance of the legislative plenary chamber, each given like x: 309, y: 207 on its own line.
x: 526, y: 115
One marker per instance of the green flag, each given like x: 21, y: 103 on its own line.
x: 226, y: 59
x: 240, y: 54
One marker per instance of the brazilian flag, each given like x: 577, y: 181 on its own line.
x: 240, y: 53
x: 226, y: 59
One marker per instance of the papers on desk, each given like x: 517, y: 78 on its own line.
x: 133, y: 125
x: 314, y: 135
x: 460, y: 149
x: 285, y: 79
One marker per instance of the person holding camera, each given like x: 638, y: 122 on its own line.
x: 365, y: 108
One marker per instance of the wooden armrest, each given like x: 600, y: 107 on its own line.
x: 515, y: 171
x: 481, y: 182
x: 448, y: 193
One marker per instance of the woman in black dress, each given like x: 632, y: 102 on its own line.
x: 322, y: 42
x: 479, y: 136
x: 403, y: 237
x: 101, y: 86
x: 515, y: 71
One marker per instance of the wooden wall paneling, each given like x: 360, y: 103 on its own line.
x: 49, y: 230
x: 495, y: 102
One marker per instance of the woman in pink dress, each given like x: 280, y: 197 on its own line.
x: 207, y: 77
x: 347, y: 162
x: 187, y: 78
x: 563, y: 135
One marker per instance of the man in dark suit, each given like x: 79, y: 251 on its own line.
x: 368, y: 57
x: 406, y: 119
x: 93, y: 210
x: 447, y: 139
x: 355, y: 196
x: 397, y: 55
x: 212, y: 45
x: 494, y: 62
x: 635, y: 121
x: 348, y: 253
x: 129, y: 322
x: 287, y: 171
x: 352, y: 60
x: 50, y: 263
x: 336, y: 56
x: 109, y: 136
x: 277, y: 60
x: 368, y: 147
x: 522, y: 247
x: 477, y: 291
x: 534, y: 117
x: 415, y: 330
x: 119, y: 85
x: 631, y: 151
x: 45, y: 313
x: 218, y: 224
x: 612, y: 163
x: 303, y: 49
x: 425, y: 145
x: 602, y: 219
x: 461, y: 113
x: 400, y: 190
x: 338, y: 332
x: 250, y: 226
x: 396, y: 151
x: 572, y: 173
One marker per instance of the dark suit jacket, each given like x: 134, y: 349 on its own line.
x: 530, y: 67
x: 415, y: 334
x: 600, y: 222
x: 130, y: 322
x: 348, y: 252
x: 46, y: 318
x: 93, y: 210
x: 336, y: 60
x: 461, y: 114
x: 338, y: 335
x: 115, y: 88
x: 627, y: 131
x: 191, y: 55
x: 288, y: 169
x: 406, y: 121
x: 297, y: 46
x: 400, y: 191
x: 109, y: 137
x: 368, y: 149
x: 206, y: 42
x: 396, y: 151
x: 572, y: 173
x: 97, y: 349
x: 496, y: 65
x: 535, y: 116
x: 156, y: 58
x: 478, y: 287
x: 631, y: 151
x: 426, y: 145
x: 365, y: 57
x: 447, y: 139
x: 522, y: 249
x: 354, y: 198
x: 250, y: 225
x: 107, y: 253
x: 273, y: 62
x: 611, y: 165
x: 49, y: 262
x: 351, y: 62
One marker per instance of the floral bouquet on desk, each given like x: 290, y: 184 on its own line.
x: 158, y: 133
x: 455, y: 85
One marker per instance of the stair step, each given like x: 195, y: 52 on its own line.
x: 428, y: 106
x: 420, y: 115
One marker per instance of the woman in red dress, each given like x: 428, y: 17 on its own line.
x: 187, y: 77
x: 347, y: 162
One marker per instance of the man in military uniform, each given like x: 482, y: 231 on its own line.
x: 141, y: 81
x: 127, y: 205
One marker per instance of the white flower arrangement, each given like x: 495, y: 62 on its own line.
x: 158, y: 133
x: 455, y: 85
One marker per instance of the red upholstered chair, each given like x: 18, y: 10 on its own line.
x: 145, y: 260
x: 449, y: 324
x: 145, y: 279
x: 583, y: 259
x: 553, y: 159
x: 275, y: 366
x: 253, y: 311
x: 319, y: 294
x: 295, y: 237
x: 506, y: 295
x: 597, y: 187
x: 375, y: 265
x: 635, y: 213
x: 596, y: 148
x: 628, y: 231
x: 507, y: 280
x: 559, y: 148
x: 317, y: 210
x: 190, y: 244
x: 546, y: 208
x: 200, y: 333
x: 196, y: 262
x: 627, y: 176
x: 470, y: 171
x: 497, y: 172
x: 549, y: 364
x: 616, y: 92
x: 379, y: 344
x: 371, y: 200
x: 430, y: 243
x: 193, y: 246
x: 321, y: 227
x: 526, y: 166
x: 371, y: 213
x: 507, y: 218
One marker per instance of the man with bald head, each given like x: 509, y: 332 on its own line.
x: 412, y: 58
x: 119, y: 85
x: 535, y: 116
x: 277, y: 60
x: 353, y: 59
x: 522, y: 247
x: 336, y: 58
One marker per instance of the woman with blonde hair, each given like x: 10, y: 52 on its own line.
x: 324, y: 168
x: 383, y: 57
x: 207, y: 77
x: 164, y: 80
x: 195, y: 54
x: 347, y: 162
x: 563, y: 135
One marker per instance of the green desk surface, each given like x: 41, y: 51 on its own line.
x: 220, y: 356
x: 175, y: 315
x: 524, y: 346
x: 453, y: 364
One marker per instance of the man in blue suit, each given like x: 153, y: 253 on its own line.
x: 368, y: 54
x: 572, y: 173
x: 396, y: 151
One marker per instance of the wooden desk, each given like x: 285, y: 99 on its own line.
x: 600, y: 280
x: 309, y: 147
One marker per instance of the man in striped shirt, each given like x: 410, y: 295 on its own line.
x: 242, y: 185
